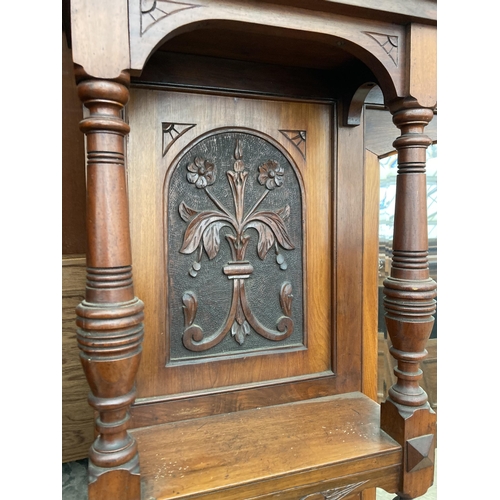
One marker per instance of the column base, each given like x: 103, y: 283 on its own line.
x: 415, y: 430
x: 123, y: 482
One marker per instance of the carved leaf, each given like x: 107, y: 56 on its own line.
x: 275, y: 222
x: 211, y: 239
x: 284, y: 212
x: 186, y: 212
x: 190, y: 306
x: 196, y: 228
x: 266, y: 238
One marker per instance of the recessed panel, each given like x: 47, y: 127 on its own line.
x: 234, y: 247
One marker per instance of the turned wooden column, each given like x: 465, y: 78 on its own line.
x: 109, y: 320
x: 410, y: 304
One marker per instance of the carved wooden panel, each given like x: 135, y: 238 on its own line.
x: 234, y: 247
x: 158, y: 185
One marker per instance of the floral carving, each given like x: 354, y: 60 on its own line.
x: 203, y: 233
x: 201, y: 173
x: 271, y: 174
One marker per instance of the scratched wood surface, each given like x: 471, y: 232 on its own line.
x: 296, y: 449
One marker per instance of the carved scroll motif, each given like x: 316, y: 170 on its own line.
x: 203, y: 233
x: 298, y: 139
x: 335, y: 493
x: 153, y: 11
x: 229, y: 208
x: 388, y: 42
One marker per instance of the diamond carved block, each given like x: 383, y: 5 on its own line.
x: 420, y: 452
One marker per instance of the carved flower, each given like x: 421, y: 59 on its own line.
x: 201, y: 173
x: 271, y: 174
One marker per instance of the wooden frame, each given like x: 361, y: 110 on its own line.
x: 112, y: 42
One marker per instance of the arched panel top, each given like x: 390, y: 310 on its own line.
x: 381, y: 46
x: 234, y: 199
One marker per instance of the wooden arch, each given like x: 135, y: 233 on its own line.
x: 380, y: 45
x: 381, y: 48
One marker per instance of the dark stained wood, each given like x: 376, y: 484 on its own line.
x: 296, y: 449
x: 273, y: 48
x: 73, y: 162
x: 287, y: 424
x: 387, y: 379
x: 409, y: 292
x: 147, y: 110
x: 191, y: 71
x: 422, y: 64
x: 429, y: 375
x: 99, y: 37
x: 109, y: 320
x: 349, y: 255
x: 380, y: 130
x: 151, y: 412
x: 363, y: 38
x: 116, y: 484
x: 410, y: 301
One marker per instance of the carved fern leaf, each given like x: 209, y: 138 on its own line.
x: 196, y: 228
x: 186, y: 212
x: 211, y: 239
x: 266, y: 238
x: 284, y: 212
x: 277, y: 225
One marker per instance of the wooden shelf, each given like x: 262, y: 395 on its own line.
x: 287, y: 451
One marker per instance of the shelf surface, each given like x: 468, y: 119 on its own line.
x: 287, y: 451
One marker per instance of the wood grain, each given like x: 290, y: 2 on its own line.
x: 188, y: 71
x: 147, y: 110
x: 349, y: 253
x: 370, y: 273
x: 73, y: 162
x: 294, y: 449
x: 99, y: 35
x: 77, y: 415
x: 253, y: 426
x: 286, y: 21
x: 380, y: 131
x: 386, y: 364
x: 423, y: 64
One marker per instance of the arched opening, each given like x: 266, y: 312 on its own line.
x: 234, y: 56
